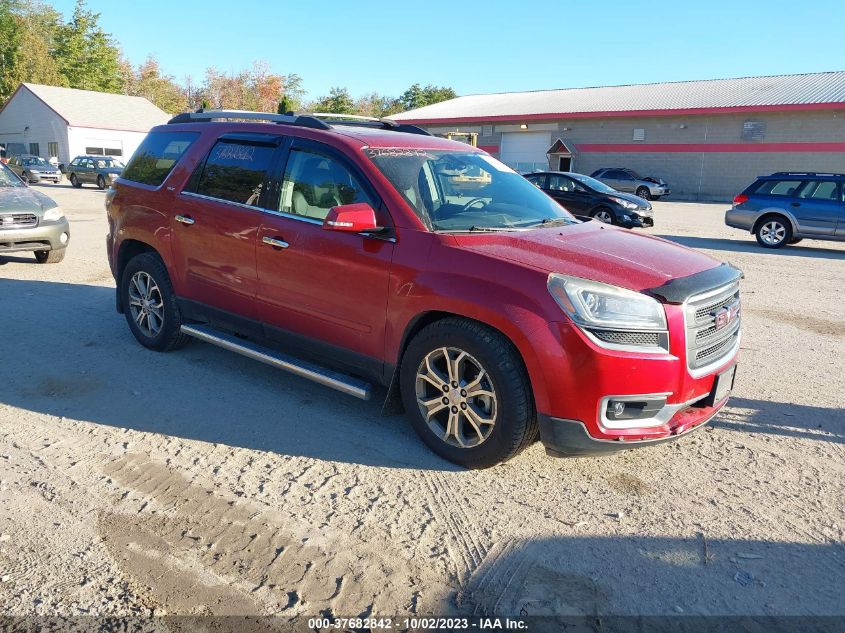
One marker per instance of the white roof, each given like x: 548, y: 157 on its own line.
x: 712, y: 94
x: 100, y: 110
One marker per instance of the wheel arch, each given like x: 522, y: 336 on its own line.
x: 768, y: 213
x: 128, y: 249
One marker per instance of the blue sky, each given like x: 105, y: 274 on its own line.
x: 479, y: 46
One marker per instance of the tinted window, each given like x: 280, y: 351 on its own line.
x: 616, y: 174
x: 820, y: 190
x: 156, y: 156
x: 314, y: 183
x: 537, y: 181
x: 562, y: 183
x: 234, y: 171
x: 779, y: 187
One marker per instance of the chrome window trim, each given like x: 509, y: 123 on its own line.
x: 222, y: 200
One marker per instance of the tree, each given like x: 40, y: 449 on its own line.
x: 377, y: 105
x: 257, y: 89
x: 149, y: 82
x: 338, y: 101
x: 87, y: 56
x: 417, y: 97
x: 27, y: 31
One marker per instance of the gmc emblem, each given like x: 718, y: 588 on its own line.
x: 726, y: 315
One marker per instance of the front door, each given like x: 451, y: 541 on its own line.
x: 619, y: 180
x: 216, y: 221
x: 568, y: 193
x: 323, y: 291
x: 817, y: 207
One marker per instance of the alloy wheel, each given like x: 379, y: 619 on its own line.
x: 146, y: 304
x: 604, y: 216
x: 456, y: 397
x: 773, y: 232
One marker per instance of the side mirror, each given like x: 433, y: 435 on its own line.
x: 351, y: 218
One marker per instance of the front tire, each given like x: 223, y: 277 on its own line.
x: 75, y: 181
x: 773, y: 231
x: 604, y: 215
x: 795, y: 240
x: 50, y: 257
x: 101, y: 182
x: 467, y: 393
x: 644, y: 193
x: 149, y: 304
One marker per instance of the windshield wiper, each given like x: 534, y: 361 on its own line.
x: 551, y: 222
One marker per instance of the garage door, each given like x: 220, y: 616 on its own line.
x: 525, y: 151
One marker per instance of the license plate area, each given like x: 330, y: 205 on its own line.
x: 722, y: 386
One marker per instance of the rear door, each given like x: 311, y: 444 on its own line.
x: 321, y: 291
x: 217, y: 217
x: 568, y: 193
x: 817, y: 207
x: 619, y: 180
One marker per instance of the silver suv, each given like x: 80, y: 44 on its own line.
x: 628, y: 180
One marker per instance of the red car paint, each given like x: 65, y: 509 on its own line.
x: 366, y: 295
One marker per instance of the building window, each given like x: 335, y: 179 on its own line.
x: 639, y: 134
x: 34, y: 149
x: 487, y: 130
x: 52, y: 150
x: 753, y: 130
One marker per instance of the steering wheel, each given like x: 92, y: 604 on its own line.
x: 467, y: 206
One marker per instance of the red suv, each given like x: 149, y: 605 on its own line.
x: 359, y: 252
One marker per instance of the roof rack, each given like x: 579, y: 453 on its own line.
x: 316, y: 120
x: 807, y: 173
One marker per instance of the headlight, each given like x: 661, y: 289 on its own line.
x: 625, y: 203
x: 51, y: 215
x: 34, y: 171
x: 601, y: 306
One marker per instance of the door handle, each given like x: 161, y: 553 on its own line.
x: 795, y: 204
x: 275, y: 242
x: 185, y: 219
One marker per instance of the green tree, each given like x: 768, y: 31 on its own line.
x: 377, y: 105
x: 27, y: 31
x: 149, y: 82
x: 87, y: 56
x: 417, y: 97
x: 338, y: 101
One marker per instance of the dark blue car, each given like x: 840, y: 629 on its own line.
x: 786, y: 207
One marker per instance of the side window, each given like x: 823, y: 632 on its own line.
x: 314, y: 183
x: 561, y: 183
x: 75, y: 162
x: 234, y: 171
x: 537, y: 181
x: 779, y: 187
x: 820, y: 190
x: 615, y: 174
x: 155, y: 157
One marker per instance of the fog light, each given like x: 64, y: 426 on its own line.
x: 63, y: 238
x: 618, y: 408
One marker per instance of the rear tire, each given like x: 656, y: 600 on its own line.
x: 773, y: 231
x: 50, y: 257
x: 75, y: 181
x: 149, y: 304
x: 795, y: 240
x: 644, y: 193
x: 486, y: 402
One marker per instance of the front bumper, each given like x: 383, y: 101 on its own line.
x: 45, y: 177
x: 47, y: 236
x: 570, y: 438
x: 659, y: 191
x: 635, y: 221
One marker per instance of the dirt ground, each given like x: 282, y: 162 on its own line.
x: 200, y: 482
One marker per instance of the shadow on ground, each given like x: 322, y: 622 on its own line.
x: 68, y: 353
x: 783, y: 418
x: 751, y: 246
x: 602, y: 577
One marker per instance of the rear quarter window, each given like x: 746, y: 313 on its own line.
x: 778, y: 187
x: 155, y: 158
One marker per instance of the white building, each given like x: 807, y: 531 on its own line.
x: 49, y: 121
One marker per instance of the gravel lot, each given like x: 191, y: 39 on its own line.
x: 199, y: 482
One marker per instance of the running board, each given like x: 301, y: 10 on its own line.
x: 326, y: 377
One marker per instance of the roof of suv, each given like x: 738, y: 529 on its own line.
x: 800, y: 174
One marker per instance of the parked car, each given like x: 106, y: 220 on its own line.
x: 630, y: 181
x: 590, y: 198
x: 786, y: 207
x: 34, y: 169
x: 30, y: 221
x: 338, y: 251
x: 98, y: 170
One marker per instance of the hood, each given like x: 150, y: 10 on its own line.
x: 595, y: 251
x: 657, y: 181
x: 645, y: 204
x: 24, y: 200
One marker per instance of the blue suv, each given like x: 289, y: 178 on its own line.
x: 786, y: 207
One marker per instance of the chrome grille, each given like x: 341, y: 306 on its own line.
x: 708, y: 344
x: 18, y: 220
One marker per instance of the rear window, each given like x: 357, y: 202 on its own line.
x: 155, y: 158
x: 778, y: 187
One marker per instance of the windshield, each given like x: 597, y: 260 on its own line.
x: 452, y: 190
x: 592, y: 183
x: 108, y: 163
x: 8, y: 177
x: 35, y: 162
